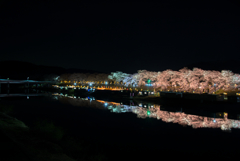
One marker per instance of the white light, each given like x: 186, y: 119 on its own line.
x: 145, y: 106
x: 214, y: 120
x: 145, y: 92
x: 105, y: 104
x: 152, y: 92
x: 151, y: 106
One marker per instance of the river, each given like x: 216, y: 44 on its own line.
x: 133, y: 125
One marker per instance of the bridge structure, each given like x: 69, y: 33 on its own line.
x: 25, y: 82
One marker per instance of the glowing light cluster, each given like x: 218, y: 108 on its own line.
x: 154, y: 111
x: 196, y: 80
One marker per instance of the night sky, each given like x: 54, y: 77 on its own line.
x: 119, y: 36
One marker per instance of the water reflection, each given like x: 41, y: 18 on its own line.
x: 154, y: 111
x: 77, y: 101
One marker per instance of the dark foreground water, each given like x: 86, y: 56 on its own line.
x: 135, y: 130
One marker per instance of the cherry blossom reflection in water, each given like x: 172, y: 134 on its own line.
x: 155, y: 112
x: 187, y: 119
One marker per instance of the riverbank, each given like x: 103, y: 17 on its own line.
x: 41, y: 141
x: 111, y: 136
x: 18, y: 143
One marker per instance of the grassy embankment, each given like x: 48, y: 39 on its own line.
x: 43, y: 141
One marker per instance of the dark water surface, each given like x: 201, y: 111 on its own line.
x: 132, y: 129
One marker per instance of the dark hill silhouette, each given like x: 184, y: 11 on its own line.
x: 232, y: 65
x: 22, y: 70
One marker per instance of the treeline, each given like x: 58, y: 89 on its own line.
x: 182, y: 80
x: 84, y: 77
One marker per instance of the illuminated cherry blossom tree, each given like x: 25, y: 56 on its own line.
x: 163, y: 79
x: 197, y: 80
x: 118, y: 76
x: 142, y: 77
x: 183, y: 82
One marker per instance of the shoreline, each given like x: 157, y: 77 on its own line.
x: 186, y: 99
x: 120, y: 146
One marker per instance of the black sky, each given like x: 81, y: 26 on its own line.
x: 108, y: 36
